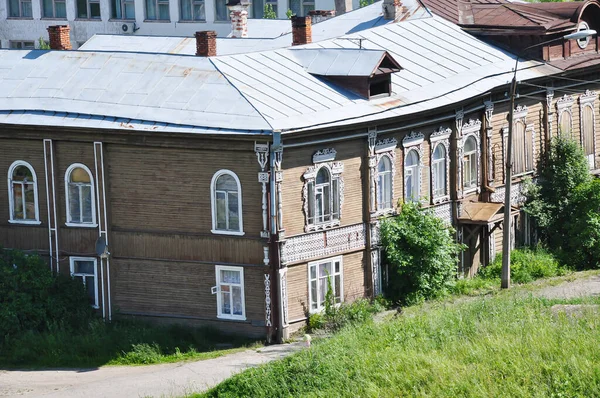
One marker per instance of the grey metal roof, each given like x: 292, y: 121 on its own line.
x: 348, y: 23
x: 339, y: 61
x: 257, y: 91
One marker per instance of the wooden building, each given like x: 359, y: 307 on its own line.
x: 229, y: 188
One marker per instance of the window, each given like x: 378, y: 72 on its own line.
x: 54, y: 9
x: 384, y: 184
x: 22, y: 45
x: 226, y: 203
x: 19, y: 9
x: 122, y: 9
x: 157, y: 10
x: 321, y: 274
x: 221, y: 11
x: 587, y: 131
x: 192, y: 10
x: 411, y: 176
x: 565, y: 122
x: 22, y: 193
x: 86, y: 270
x: 302, y: 7
x: 230, y: 292
x: 88, y: 9
x: 470, y: 163
x: 522, y: 149
x: 323, y: 198
x: 80, y: 196
x: 438, y: 168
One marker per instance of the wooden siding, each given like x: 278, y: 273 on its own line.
x: 172, y: 289
x: 295, y: 163
x: 168, y: 190
x: 297, y: 282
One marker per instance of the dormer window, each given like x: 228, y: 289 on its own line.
x: 367, y: 73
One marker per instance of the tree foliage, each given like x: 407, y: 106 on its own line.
x: 269, y: 12
x: 421, y: 254
x: 32, y: 299
x: 565, y: 203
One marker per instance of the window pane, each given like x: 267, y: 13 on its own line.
x: 313, y: 290
x: 236, y: 295
x: 129, y: 10
x: 116, y: 9
x: 74, y: 205
x: 311, y: 203
x: 258, y: 9
x: 83, y: 267
x: 22, y: 173
x: 95, y: 10
x: 230, y: 276
x: 199, y: 13
x: 86, y: 193
x: 470, y: 145
x: 234, y: 216
x: 163, y: 10
x: 222, y: 13
x: 296, y: 7
x: 387, y: 192
x: 18, y: 202
x: 29, y: 202
x: 47, y: 8
x: 221, y: 210
x: 324, y: 269
x: 408, y: 182
x: 319, y: 205
x: 226, y: 183
x: 90, y: 287
x: 14, y: 8
x: 313, y: 272
x: 326, y: 203
x: 225, y: 300
x: 588, y: 130
x: 150, y: 9
x: 338, y: 288
x: 82, y: 9
x: 322, y: 290
x: 322, y: 176
x: 27, y: 9
x: 79, y: 175
x: 336, y: 199
x: 186, y: 9
x: 61, y: 9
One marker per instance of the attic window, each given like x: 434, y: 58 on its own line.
x: 379, y: 87
x: 582, y: 43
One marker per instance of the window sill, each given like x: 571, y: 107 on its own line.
x: 440, y: 199
x: 70, y: 224
x: 23, y: 222
x: 190, y: 21
x: 234, y: 233
x: 53, y: 18
x: 157, y: 21
x: 470, y: 190
x: 121, y: 20
x: 384, y: 212
x: 20, y: 18
x: 231, y: 318
x: 89, y: 19
x: 527, y: 173
x: 322, y: 226
x: 96, y: 307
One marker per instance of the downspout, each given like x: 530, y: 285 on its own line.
x: 274, y: 236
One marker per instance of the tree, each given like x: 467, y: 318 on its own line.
x: 420, y: 252
x: 558, y: 203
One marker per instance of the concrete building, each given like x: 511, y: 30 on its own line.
x: 23, y: 22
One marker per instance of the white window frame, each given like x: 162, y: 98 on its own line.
x: 220, y: 315
x: 331, y: 260
x: 213, y: 203
x: 72, y: 261
x: 380, y: 188
x: 474, y: 156
x: 565, y: 104
x: 11, y: 199
x: 323, y: 158
x: 440, y: 137
x: 413, y: 142
x: 588, y: 99
x: 69, y: 222
x: 122, y: 10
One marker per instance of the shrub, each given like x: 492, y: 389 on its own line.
x: 421, y: 254
x: 335, y: 318
x: 526, y: 265
x: 32, y: 299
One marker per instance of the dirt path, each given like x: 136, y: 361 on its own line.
x: 582, y: 287
x: 169, y: 380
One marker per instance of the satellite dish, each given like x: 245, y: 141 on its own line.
x: 101, y: 248
x: 124, y: 27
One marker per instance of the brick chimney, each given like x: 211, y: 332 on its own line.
x: 60, y: 37
x: 238, y: 13
x: 301, y: 30
x: 317, y: 16
x: 393, y: 9
x: 343, y: 6
x: 206, y: 43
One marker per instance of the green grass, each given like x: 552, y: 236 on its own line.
x: 502, y: 345
x: 120, y: 343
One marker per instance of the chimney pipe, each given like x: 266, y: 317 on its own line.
x: 343, y: 6
x: 317, y: 16
x: 206, y: 43
x: 393, y: 9
x: 301, y: 30
x: 60, y: 37
x: 465, y: 13
x: 238, y: 13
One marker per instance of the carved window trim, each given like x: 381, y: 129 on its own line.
x: 335, y: 171
x: 565, y: 104
x: 70, y: 222
x: 213, y: 204
x: 385, y: 148
x: 413, y: 142
x: 470, y: 129
x: 588, y: 99
x: 11, y: 194
x: 440, y: 137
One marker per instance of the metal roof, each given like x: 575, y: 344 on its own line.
x: 339, y: 61
x: 348, y: 23
x: 258, y: 91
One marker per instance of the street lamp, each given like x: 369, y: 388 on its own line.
x: 505, y: 280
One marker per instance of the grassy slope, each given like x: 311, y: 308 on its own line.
x: 507, y: 345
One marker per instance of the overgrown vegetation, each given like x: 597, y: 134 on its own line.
x: 503, y: 345
x: 421, y: 254
x: 335, y: 318
x: 269, y: 12
x: 46, y: 321
x: 565, y: 204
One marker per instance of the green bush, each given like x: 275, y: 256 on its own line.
x: 32, y: 299
x: 526, y: 265
x: 337, y: 317
x: 421, y: 253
